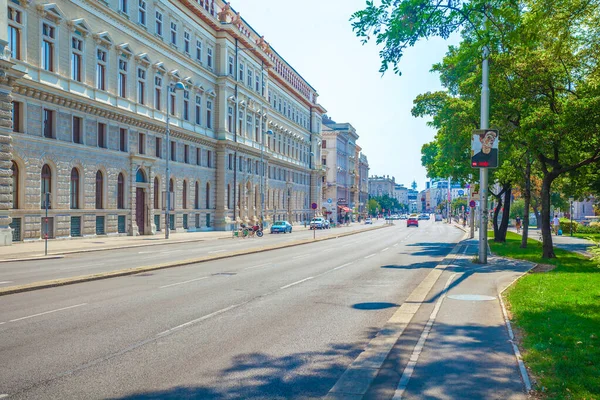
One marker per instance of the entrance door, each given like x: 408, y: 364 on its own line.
x: 140, y: 205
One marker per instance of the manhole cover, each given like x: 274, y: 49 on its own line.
x: 471, y: 297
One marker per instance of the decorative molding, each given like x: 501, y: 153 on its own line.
x: 103, y: 39
x: 51, y: 11
x: 143, y: 59
x: 80, y: 25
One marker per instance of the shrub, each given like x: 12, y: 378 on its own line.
x: 565, y: 225
x: 592, y: 228
x: 595, y: 251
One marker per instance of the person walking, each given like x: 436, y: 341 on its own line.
x: 518, y: 224
x: 556, y: 224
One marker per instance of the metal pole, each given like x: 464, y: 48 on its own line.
x: 483, y: 172
x: 168, y: 144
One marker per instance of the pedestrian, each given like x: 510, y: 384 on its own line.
x: 518, y: 224
x: 556, y: 224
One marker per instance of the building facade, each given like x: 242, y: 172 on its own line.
x: 401, y: 194
x: 363, y: 184
x: 90, y: 88
x: 381, y: 185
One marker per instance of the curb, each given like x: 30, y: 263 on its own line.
x: 132, y: 271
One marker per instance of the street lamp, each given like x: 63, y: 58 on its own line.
x: 262, y: 165
x: 571, y: 213
x: 173, y: 87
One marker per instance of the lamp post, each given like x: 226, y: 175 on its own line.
x: 262, y: 179
x: 173, y: 87
x: 571, y: 214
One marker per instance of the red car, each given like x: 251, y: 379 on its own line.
x: 412, y: 221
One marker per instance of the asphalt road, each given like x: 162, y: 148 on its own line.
x: 77, y: 264
x: 279, y: 324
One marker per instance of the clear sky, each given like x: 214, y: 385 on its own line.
x: 316, y: 38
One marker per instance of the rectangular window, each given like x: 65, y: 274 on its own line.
x: 241, y: 76
x: 123, y: 6
x: 231, y: 162
x: 141, y: 92
x: 48, y: 41
x: 198, y: 51
x: 17, y: 116
x: 14, y: 32
x: 324, y: 144
x: 240, y: 163
x: 173, y: 151
x: 142, y: 12
x: 198, y: 110
x: 174, y: 33
x: 186, y: 105
x: 198, y: 156
x: 122, y: 78
x: 209, y: 159
x: 249, y: 126
x: 101, y: 135
x: 123, y: 139
x: 48, y: 124
x: 257, y: 137
x: 230, y: 119
x: 230, y: 65
x: 158, y: 148
x: 77, y: 130
x: 141, y: 143
x: 186, y: 154
x: 157, y: 92
x: 101, y: 69
x: 249, y: 81
x: 209, y: 114
x: 159, y: 23
x: 173, y: 100
x: 257, y: 83
x: 209, y: 54
x: 186, y: 42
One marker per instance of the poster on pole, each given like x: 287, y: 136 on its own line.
x: 484, y: 148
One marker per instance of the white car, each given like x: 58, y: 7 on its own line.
x: 319, y: 223
x: 368, y: 221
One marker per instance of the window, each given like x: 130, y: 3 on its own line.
x: 257, y: 137
x: 141, y: 85
x: 209, y: 114
x: 198, y: 110
x: 230, y: 119
x: 241, y: 76
x: 156, y: 193
x: 99, y: 190
x: 184, y: 195
x: 141, y: 143
x: 209, y: 54
x: 240, y: 163
x: 324, y: 161
x: 173, y: 151
x: 174, y: 33
x: 48, y: 124
x: 228, y: 196
x: 209, y: 159
x: 142, y: 12
x: 249, y: 81
x: 230, y: 156
x: 15, y: 27
x: 157, y: 92
x: 123, y: 6
x: 74, y: 193
x: 15, y: 184
x: 48, y: 41
x: 46, y: 186
x: 230, y: 65
x: 121, y: 192
x: 76, y: 58
x: 198, y: 51
x: 101, y: 135
x: 77, y: 130
x: 257, y: 83
x: 159, y: 23
x: 17, y: 116
x: 101, y: 69
x: 324, y: 144
x: 122, y: 78
x: 186, y: 154
x: 173, y: 100
x: 249, y: 126
x: 186, y: 105
x: 122, y: 139
x: 186, y: 42
x: 198, y: 156
x: 197, y: 195
x: 158, y: 148
x: 207, y: 195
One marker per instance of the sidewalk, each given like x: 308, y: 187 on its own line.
x: 565, y: 242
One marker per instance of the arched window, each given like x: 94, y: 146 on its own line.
x: 15, y: 185
x: 46, y: 185
x: 184, y: 195
x: 171, y: 185
x: 74, y: 188
x: 197, y: 196
x: 121, y: 192
x: 207, y: 195
x: 140, y: 176
x: 156, y: 193
x: 99, y: 190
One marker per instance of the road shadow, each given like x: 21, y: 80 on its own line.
x: 431, y: 249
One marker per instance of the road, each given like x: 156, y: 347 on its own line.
x: 279, y: 324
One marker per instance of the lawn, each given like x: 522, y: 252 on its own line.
x: 558, y: 315
x: 595, y: 236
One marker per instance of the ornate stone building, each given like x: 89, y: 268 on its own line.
x: 84, y: 95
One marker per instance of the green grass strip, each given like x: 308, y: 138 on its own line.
x: 558, y: 316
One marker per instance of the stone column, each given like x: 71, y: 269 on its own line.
x: 222, y: 219
x: 8, y: 75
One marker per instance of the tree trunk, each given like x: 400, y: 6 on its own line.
x: 500, y: 237
x: 496, y: 212
x: 527, y: 198
x: 547, y: 247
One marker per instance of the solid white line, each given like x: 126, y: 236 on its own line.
x: 3, y: 396
x: 181, y: 283
x: 198, y: 319
x: 47, y: 312
x: 146, y: 252
x: 170, y: 251
x: 396, y: 244
x: 3, y: 282
x: 82, y: 266
x: 342, y: 266
x: 296, y: 283
x: 386, y: 249
x: 303, y: 256
x: 412, y: 363
x: 511, y: 336
x: 258, y: 266
x: 370, y: 255
x: 1, y: 323
x: 215, y: 251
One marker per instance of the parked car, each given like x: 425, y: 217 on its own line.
x: 403, y: 216
x: 438, y: 217
x: 412, y: 221
x: 319, y: 223
x: 423, y: 217
x: 281, y: 226
x: 368, y: 221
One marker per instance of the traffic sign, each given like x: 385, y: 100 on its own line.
x: 313, y: 206
x: 472, y: 203
x: 329, y: 201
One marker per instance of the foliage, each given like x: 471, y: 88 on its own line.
x: 565, y: 225
x: 387, y: 203
x: 373, y: 206
x: 595, y: 251
x: 517, y: 209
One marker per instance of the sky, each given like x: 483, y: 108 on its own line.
x: 315, y: 37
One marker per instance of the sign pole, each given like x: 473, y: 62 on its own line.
x: 483, y: 172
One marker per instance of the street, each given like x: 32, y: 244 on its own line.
x: 278, y: 324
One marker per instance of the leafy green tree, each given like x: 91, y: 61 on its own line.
x: 373, y: 206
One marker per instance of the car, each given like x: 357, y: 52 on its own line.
x: 438, y: 217
x: 319, y: 223
x: 403, y: 216
x: 368, y: 221
x: 412, y: 221
x: 423, y: 217
x: 281, y: 226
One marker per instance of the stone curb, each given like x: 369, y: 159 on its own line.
x: 132, y: 271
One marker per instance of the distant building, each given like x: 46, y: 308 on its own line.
x: 382, y: 185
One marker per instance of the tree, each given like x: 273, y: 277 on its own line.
x: 373, y: 206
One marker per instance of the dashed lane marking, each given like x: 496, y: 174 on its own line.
x: 296, y: 283
x: 184, y: 282
x: 47, y: 312
x: 369, y: 256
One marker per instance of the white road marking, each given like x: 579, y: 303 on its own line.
x: 466, y: 248
x: 170, y: 251
x: 47, y: 312
x: 215, y: 251
x: 369, y: 256
x: 181, y: 283
x: 396, y: 244
x: 146, y: 252
x: 1, y: 323
x: 82, y: 266
x: 296, y: 283
x: 303, y: 256
x: 199, y: 319
x: 346, y: 245
x: 4, y: 282
x: 258, y: 266
x: 386, y: 249
x: 3, y: 396
x: 343, y: 266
